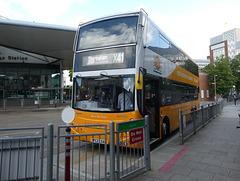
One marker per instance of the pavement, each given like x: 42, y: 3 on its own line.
x: 212, y: 154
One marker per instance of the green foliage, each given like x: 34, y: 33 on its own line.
x: 235, y: 67
x: 70, y: 74
x: 224, y: 79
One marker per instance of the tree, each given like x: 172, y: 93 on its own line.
x: 235, y: 67
x: 224, y: 79
x: 70, y: 74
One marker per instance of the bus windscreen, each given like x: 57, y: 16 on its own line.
x: 111, y: 32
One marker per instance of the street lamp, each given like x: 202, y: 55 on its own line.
x: 215, y: 87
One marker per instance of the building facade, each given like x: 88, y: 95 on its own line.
x: 226, y: 44
x: 22, y: 73
x: 204, y: 87
x: 33, y: 57
x: 202, y: 63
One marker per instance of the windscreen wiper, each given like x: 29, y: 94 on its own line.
x: 109, y: 76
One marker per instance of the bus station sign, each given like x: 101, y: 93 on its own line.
x: 136, y: 135
x: 131, y: 125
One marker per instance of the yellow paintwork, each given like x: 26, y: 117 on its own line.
x: 172, y: 112
x: 139, y: 85
x: 182, y: 75
x: 91, y: 118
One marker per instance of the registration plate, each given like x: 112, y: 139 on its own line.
x: 101, y: 141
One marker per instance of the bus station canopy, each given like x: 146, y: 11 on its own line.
x: 44, y: 39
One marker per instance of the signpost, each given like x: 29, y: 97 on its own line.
x: 68, y: 115
x: 136, y: 130
x: 131, y: 125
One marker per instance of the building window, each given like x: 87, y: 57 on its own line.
x: 202, y: 94
x: 207, y: 93
x: 19, y: 81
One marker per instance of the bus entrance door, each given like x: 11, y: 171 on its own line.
x: 152, y: 106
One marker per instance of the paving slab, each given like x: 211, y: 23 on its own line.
x: 213, y: 153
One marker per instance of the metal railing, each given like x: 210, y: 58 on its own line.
x: 21, y: 156
x: 84, y: 158
x: 133, y: 147
x: 191, y: 120
x: 68, y: 156
x: 39, y: 97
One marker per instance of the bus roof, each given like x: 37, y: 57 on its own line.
x: 109, y: 17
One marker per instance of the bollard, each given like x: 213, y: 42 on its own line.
x: 180, y: 127
x: 4, y: 103
x: 202, y: 115
x: 55, y: 102
x: 38, y: 102
x: 67, y: 155
x: 147, y: 144
x: 22, y: 103
x: 193, y: 119
x: 50, y: 152
x: 238, y: 126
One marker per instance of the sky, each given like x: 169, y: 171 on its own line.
x: 189, y: 23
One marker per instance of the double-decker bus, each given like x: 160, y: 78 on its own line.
x: 125, y: 67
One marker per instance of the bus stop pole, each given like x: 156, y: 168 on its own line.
x: 68, y: 115
x: 50, y: 152
x: 67, y: 155
x: 112, y: 151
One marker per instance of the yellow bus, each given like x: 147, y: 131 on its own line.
x: 124, y: 68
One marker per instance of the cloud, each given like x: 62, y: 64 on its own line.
x: 137, y: 9
x: 5, y: 10
x: 46, y: 11
x: 78, y: 20
x: 192, y: 31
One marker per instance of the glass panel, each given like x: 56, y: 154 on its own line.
x: 46, y: 71
x: 109, y: 32
x: 159, y: 43
x: 11, y: 71
x: 115, y: 58
x: 26, y: 82
x: 11, y: 82
x: 35, y: 71
x: 20, y: 83
x: 104, y: 93
x: 35, y: 81
x: 2, y: 79
x: 2, y: 70
x: 45, y: 81
x: 54, y: 71
x: 23, y: 71
x: 55, y: 80
x: 173, y: 92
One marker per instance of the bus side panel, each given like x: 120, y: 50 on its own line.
x: 172, y: 113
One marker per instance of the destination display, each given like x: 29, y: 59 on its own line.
x: 106, y: 59
x: 101, y: 59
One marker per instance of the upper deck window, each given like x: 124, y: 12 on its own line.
x: 108, y: 32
